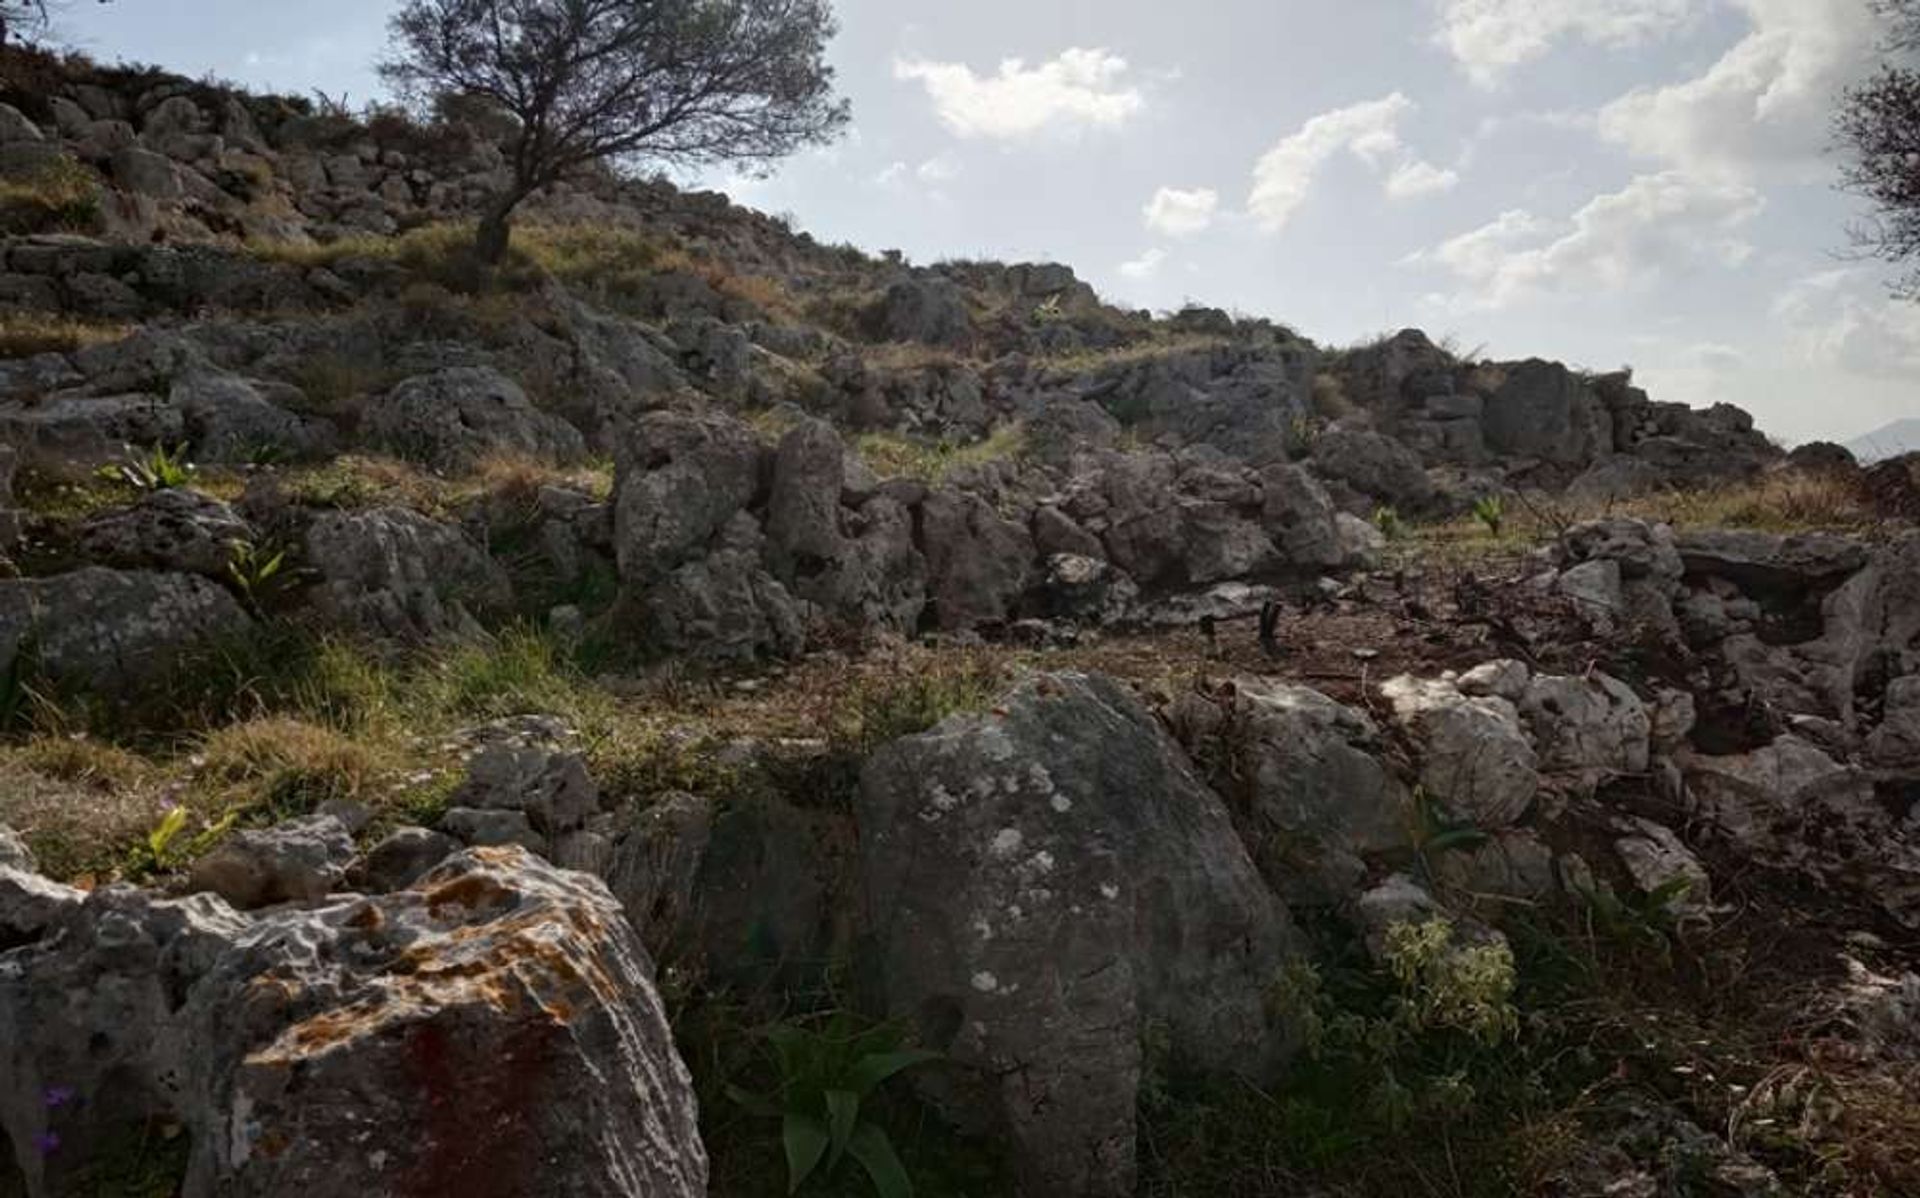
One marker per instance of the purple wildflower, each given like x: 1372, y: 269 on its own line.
x: 58, y: 1096
x: 47, y: 1143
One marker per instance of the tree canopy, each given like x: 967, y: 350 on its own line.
x: 674, y: 82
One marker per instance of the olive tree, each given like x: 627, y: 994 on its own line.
x: 1878, y: 128
x: 673, y: 82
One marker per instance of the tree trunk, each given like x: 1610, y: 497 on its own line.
x: 496, y: 229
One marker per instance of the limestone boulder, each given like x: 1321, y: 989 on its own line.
x: 456, y: 417
x: 112, y: 629
x: 177, y: 530
x: 681, y: 480
x: 494, y: 1029
x: 1305, y: 779
x: 1042, y: 884
x: 1474, y: 754
x: 396, y: 574
x: 301, y: 860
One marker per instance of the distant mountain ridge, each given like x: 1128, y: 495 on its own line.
x: 1889, y: 441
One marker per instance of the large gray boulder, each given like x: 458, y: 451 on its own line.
x: 1374, y: 464
x: 1474, y: 754
x: 1546, y: 412
x: 932, y: 311
x: 1761, y: 563
x: 549, y: 783
x: 176, y: 529
x: 228, y: 419
x: 456, y: 417
x: 1045, y: 883
x: 1301, y: 518
x: 978, y: 561
x: 1592, y: 727
x: 1622, y: 573
x: 804, y: 536
x: 1791, y: 806
x: 110, y: 629
x: 396, y: 574
x: 723, y: 607
x: 682, y: 479
x: 879, y: 580
x: 1305, y: 779
x: 1895, y: 744
x: 493, y: 1029
x: 89, y: 429
x: 301, y: 860
x: 738, y: 892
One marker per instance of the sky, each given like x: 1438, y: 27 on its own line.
x: 1606, y: 182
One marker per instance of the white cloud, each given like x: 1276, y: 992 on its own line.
x: 1369, y: 131
x: 1415, y: 179
x: 1080, y: 88
x: 942, y: 168
x: 932, y: 173
x: 1765, y: 103
x: 1617, y: 241
x: 1845, y: 320
x: 1488, y: 38
x: 1178, y: 213
x: 1146, y: 265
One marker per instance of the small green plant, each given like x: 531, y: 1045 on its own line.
x: 1412, y: 1047
x: 1491, y: 511
x: 1303, y: 432
x: 1436, y: 832
x: 162, y: 850
x: 1640, y: 922
x: 18, y: 697
x: 1387, y: 520
x: 255, y: 570
x: 157, y: 469
x: 874, y: 713
x: 826, y: 1076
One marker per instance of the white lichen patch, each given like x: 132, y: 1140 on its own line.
x: 1007, y: 842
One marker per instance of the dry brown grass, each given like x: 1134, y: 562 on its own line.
x: 355, y: 482
x: 83, y: 761
x: 1782, y: 501
x: 904, y: 356
x: 286, y: 765
x: 1161, y: 346
x: 514, y: 477
x: 891, y: 455
x: 60, y: 197
x: 1330, y: 400
x: 79, y: 827
x: 23, y: 334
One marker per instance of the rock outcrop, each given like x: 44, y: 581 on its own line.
x: 493, y: 1027
x: 1042, y: 884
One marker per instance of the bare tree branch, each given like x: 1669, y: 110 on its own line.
x: 1878, y: 127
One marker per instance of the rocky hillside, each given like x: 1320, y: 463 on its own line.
x: 561, y: 729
